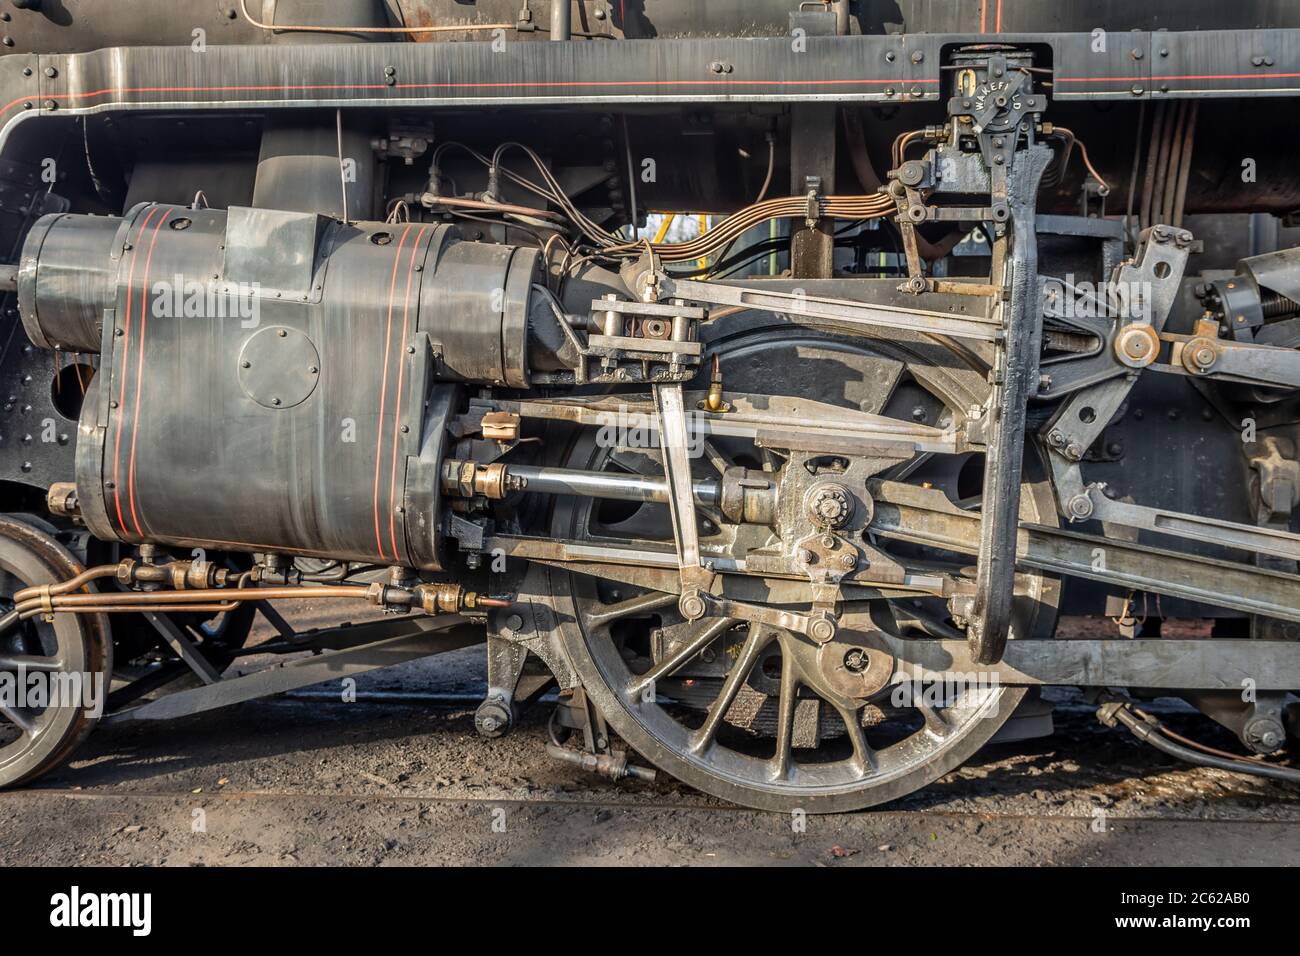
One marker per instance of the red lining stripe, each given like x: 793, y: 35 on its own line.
x: 126, y: 357
x: 139, y: 373
x: 401, y: 376
x: 383, y: 392
x: 1188, y: 76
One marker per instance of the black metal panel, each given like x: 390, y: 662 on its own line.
x: 858, y: 68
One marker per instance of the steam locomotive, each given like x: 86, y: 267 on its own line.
x: 766, y: 378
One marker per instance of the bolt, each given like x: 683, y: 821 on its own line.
x: 691, y: 607
x: 849, y: 561
x: 822, y: 630
x: 514, y: 622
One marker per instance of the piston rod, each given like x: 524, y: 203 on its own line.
x: 596, y: 484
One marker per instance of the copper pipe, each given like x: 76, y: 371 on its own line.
x: 1149, y: 179
x: 156, y: 600
x: 792, y: 207
x: 1173, y: 164
x: 352, y: 592
x: 431, y: 200
x: 1185, y: 167
x: 1083, y: 154
x: 119, y: 609
x: 1172, y: 113
x: 73, y: 584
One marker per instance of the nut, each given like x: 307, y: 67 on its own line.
x: 1137, y: 345
x: 822, y: 630
x: 691, y: 605
x: 830, y: 506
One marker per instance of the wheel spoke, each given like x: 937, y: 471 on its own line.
x: 935, y: 722
x: 864, y: 758
x: 749, y: 654
x: 637, y: 605
x: 670, y: 665
x: 789, y: 701
x: 25, y: 723
x: 12, y: 662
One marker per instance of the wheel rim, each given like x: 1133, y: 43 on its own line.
x: 33, y: 739
x: 892, y: 756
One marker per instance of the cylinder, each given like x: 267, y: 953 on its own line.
x: 67, y: 278
x: 301, y: 367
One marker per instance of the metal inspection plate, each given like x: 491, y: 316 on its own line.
x: 279, y: 367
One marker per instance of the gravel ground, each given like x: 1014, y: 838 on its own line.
x: 288, y: 781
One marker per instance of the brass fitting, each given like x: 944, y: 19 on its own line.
x: 445, y: 598
x: 62, y: 500
x: 469, y: 479
x: 501, y: 426
x: 196, y: 575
